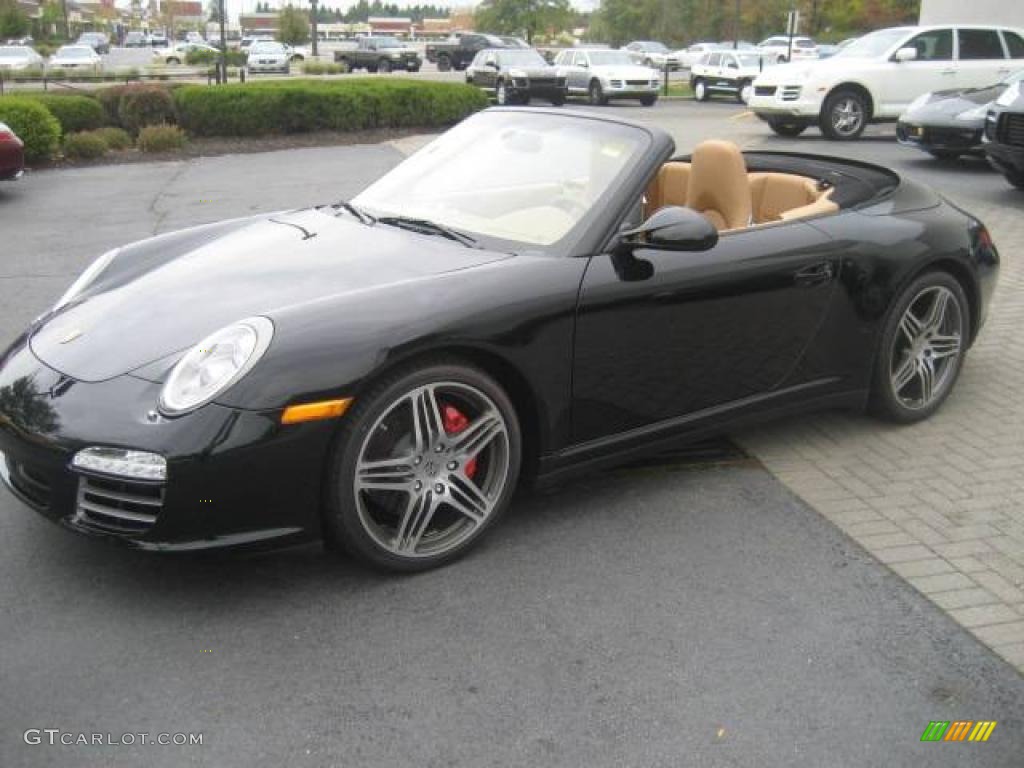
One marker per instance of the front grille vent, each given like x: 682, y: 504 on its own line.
x: 764, y: 90
x: 118, y: 506
x: 791, y: 92
x: 32, y: 486
x: 1011, y: 129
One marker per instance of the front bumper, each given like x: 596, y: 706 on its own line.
x: 234, y: 477
x: 628, y: 89
x: 960, y: 138
x: 268, y: 66
x: 791, y: 100
x: 540, y: 90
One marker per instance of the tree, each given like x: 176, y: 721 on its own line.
x: 523, y: 17
x: 292, y: 25
x: 14, y: 22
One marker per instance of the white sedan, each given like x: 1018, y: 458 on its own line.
x: 18, y: 57
x: 75, y: 57
x: 178, y: 53
x: 601, y: 75
x: 690, y: 56
x: 268, y: 56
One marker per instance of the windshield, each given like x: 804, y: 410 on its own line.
x: 522, y: 58
x: 803, y: 43
x: 874, y: 45
x: 528, y: 178
x: 748, y: 59
x: 387, y: 42
x: 652, y: 46
x: 264, y: 47
x: 73, y: 52
x: 609, y: 58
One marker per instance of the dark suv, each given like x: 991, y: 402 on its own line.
x: 1004, y: 135
x: 516, y: 75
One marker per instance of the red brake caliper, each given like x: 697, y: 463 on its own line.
x: 454, y: 422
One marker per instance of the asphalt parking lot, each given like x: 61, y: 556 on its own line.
x: 671, y: 613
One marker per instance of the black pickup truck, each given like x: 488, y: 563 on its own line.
x: 379, y: 54
x: 459, y: 50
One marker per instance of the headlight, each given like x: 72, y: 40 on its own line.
x: 1009, y: 95
x: 216, y: 362
x: 978, y: 113
x: 517, y: 73
x: 920, y: 101
x: 83, y: 281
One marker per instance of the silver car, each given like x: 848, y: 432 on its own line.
x: 602, y: 75
x: 18, y: 57
x: 268, y: 56
x: 75, y: 57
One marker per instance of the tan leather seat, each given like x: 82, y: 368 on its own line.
x: 783, y: 196
x: 719, y: 187
x: 669, y: 186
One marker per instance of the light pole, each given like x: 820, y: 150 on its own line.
x: 313, y: 21
x: 223, y: 44
x: 736, y: 27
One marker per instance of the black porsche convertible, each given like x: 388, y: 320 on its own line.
x: 534, y: 293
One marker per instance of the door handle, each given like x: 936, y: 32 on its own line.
x: 816, y: 274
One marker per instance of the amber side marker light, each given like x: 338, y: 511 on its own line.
x: 324, y: 409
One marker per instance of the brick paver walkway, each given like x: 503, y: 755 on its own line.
x: 941, y: 503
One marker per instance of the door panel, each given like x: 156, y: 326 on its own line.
x: 667, y: 334
x: 981, y: 60
x: 934, y: 69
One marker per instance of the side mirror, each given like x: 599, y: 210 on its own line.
x: 673, y: 228
x: 906, y: 54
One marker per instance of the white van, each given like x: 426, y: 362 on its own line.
x: 876, y: 77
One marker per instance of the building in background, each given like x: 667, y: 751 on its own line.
x: 1005, y: 12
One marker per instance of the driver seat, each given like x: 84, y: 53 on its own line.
x: 718, y: 187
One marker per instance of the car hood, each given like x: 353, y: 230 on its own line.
x: 798, y: 72
x: 954, y: 101
x: 162, y: 295
x: 538, y: 71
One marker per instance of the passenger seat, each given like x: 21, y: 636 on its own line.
x: 719, y: 187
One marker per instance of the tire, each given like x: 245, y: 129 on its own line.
x: 744, y: 90
x: 1016, y: 178
x: 596, y: 94
x: 371, y: 68
x: 844, y: 116
x: 384, y: 66
x: 700, y: 90
x: 467, y: 486
x: 787, y: 129
x: 501, y: 96
x: 173, y: 61
x: 443, y: 63
x: 918, y: 361
x: 460, y: 66
x: 413, y: 69
x: 781, y: 59
x: 648, y: 101
x: 556, y: 101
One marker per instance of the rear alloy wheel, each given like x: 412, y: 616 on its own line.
x: 844, y: 116
x: 922, y: 348
x: 424, y: 466
x: 700, y: 90
x: 384, y: 66
x: 501, y: 93
x: 596, y: 94
x: 443, y: 63
x: 649, y: 101
x: 744, y: 91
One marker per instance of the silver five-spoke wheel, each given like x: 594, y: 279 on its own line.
x: 927, y: 348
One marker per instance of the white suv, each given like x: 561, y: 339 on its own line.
x: 875, y: 78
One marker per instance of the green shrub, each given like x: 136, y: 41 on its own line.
x: 84, y: 145
x: 161, y: 138
x: 321, y: 68
x: 143, y: 105
x: 115, y: 138
x: 74, y: 113
x: 110, y: 100
x: 199, y: 57
x: 33, y: 124
x: 295, y: 106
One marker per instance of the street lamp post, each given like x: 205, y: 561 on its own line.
x: 223, y: 77
x: 736, y: 28
x: 313, y: 22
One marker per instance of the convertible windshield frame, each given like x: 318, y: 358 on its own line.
x: 522, y: 181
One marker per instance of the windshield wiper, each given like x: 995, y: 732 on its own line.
x: 427, y: 227
x: 364, y: 218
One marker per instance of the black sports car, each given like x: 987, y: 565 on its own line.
x: 950, y: 123
x: 516, y: 75
x: 1004, y: 135
x: 534, y: 293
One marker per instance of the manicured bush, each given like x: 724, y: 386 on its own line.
x: 110, y: 100
x: 321, y: 68
x: 234, y: 58
x: 33, y: 124
x: 143, y: 105
x: 161, y: 138
x: 295, y: 106
x: 114, y: 138
x: 74, y: 113
x: 84, y: 145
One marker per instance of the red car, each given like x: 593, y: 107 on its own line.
x: 12, y: 154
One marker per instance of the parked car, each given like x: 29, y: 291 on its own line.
x: 651, y: 53
x: 12, y: 155
x: 528, y: 264
x: 689, y: 56
x: 268, y: 56
x: 194, y: 37
x: 298, y: 53
x: 98, y: 41
x: 1004, y: 134
x: 14, y: 58
x: 380, y: 54
x: 178, y: 53
x: 458, y: 51
x: 602, y: 75
x: 135, y: 39
x: 875, y: 78
x: 725, y: 72
x: 949, y: 123
x: 75, y: 57
x: 25, y: 40
x: 157, y: 39
x: 246, y: 42
x: 515, y: 75
x: 776, y: 49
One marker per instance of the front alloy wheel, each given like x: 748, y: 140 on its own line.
x: 923, y: 348
x: 424, y: 468
x: 700, y: 91
x: 844, y: 116
x: 596, y: 94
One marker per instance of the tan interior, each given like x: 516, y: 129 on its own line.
x: 717, y: 184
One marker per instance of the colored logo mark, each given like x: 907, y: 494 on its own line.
x: 958, y: 730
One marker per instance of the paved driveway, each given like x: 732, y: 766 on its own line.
x: 669, y: 614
